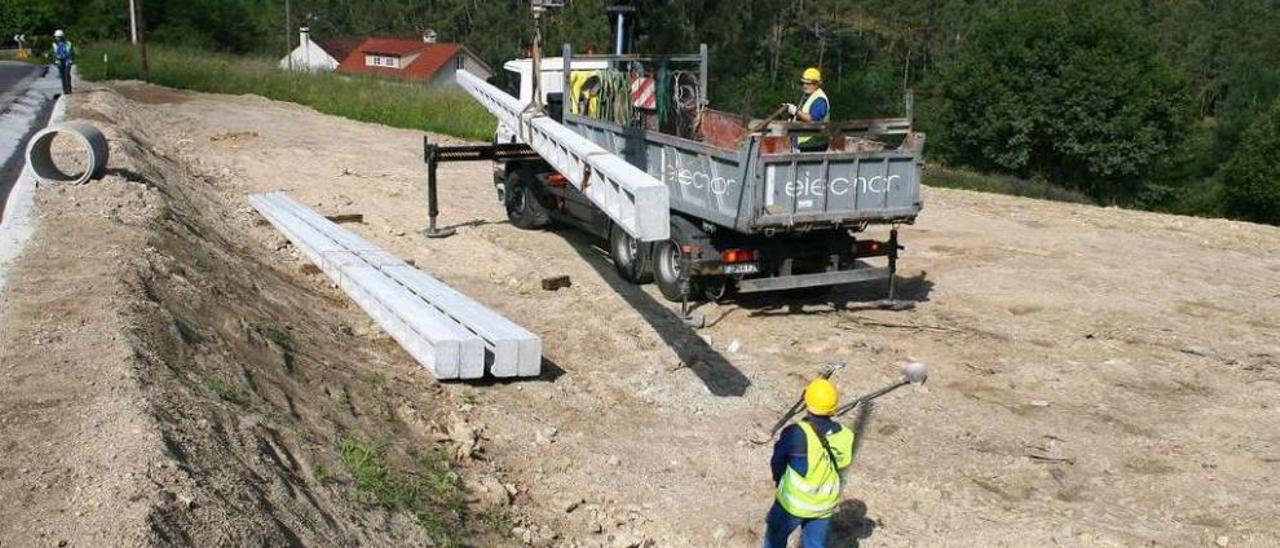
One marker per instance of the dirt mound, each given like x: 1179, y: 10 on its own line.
x: 244, y: 422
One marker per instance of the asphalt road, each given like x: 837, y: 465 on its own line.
x: 16, y: 124
x: 13, y: 72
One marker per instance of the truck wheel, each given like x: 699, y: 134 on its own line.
x: 668, y: 271
x: 523, y: 208
x: 630, y: 257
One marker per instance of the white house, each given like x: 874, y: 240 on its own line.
x: 319, y: 55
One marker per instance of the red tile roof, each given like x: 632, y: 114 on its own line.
x: 338, y: 47
x: 429, y: 58
x: 392, y: 46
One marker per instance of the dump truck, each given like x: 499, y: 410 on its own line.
x: 748, y: 212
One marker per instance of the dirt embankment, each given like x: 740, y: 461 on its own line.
x: 164, y: 382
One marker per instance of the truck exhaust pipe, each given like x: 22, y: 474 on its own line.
x: 622, y: 18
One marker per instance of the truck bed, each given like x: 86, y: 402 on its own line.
x: 752, y: 190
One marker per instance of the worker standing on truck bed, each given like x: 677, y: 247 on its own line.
x: 807, y: 464
x: 813, y: 107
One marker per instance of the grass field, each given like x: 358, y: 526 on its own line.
x: 946, y: 177
x: 451, y: 112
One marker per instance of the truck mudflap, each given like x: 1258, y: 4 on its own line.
x: 863, y: 272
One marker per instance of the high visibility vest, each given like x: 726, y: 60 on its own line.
x: 817, y: 492
x: 67, y: 53
x: 577, y: 83
x: 804, y: 107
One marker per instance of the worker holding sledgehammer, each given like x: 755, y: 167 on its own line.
x: 811, y: 456
x: 807, y: 464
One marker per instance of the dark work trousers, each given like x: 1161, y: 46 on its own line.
x: 64, y: 71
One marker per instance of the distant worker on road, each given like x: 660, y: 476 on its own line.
x: 63, y: 55
x: 807, y: 464
x: 813, y: 107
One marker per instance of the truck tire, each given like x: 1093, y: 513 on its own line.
x: 524, y: 209
x: 630, y: 257
x: 669, y: 271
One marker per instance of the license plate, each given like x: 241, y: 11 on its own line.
x: 741, y: 268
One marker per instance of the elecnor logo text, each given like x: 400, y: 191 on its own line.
x: 817, y: 186
x: 699, y: 180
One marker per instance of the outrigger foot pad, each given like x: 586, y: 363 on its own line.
x: 895, y: 304
x: 695, y: 320
x: 439, y: 232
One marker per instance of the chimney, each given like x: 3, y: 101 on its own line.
x: 429, y: 36
x: 304, y: 35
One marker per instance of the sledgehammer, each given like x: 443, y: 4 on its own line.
x: 913, y: 372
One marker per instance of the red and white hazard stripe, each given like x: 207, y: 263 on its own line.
x: 643, y: 93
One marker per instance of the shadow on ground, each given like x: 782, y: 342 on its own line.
x: 719, y: 375
x: 850, y: 524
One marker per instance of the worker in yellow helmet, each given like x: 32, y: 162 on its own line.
x: 807, y: 463
x: 813, y: 107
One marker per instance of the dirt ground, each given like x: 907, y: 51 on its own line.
x: 1098, y: 377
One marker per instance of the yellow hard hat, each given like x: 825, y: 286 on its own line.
x: 811, y: 76
x: 821, y: 398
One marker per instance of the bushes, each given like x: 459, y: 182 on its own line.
x: 396, y: 104
x: 1076, y: 93
x: 1250, y: 181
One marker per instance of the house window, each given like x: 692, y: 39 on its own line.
x: 381, y: 61
x: 459, y: 62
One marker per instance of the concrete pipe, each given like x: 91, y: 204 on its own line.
x: 90, y: 148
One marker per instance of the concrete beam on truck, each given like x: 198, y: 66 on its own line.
x: 635, y: 200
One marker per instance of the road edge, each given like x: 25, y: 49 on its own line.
x: 16, y: 226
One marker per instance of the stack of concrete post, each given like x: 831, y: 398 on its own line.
x: 450, y: 334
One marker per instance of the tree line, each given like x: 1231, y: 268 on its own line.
x: 1170, y: 106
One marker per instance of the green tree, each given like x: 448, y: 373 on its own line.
x: 35, y: 18
x: 1250, y: 181
x: 1075, y: 92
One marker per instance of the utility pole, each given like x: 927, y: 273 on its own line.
x: 139, y: 25
x: 288, y: 42
x: 133, y: 24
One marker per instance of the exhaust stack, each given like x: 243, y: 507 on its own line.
x: 623, y: 20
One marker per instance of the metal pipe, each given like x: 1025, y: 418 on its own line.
x: 686, y: 58
x: 566, y: 55
x: 618, y: 47
x: 703, y: 65
x: 432, y: 153
x: 133, y: 23
x: 913, y: 373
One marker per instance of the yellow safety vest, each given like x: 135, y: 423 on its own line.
x: 804, y: 107
x: 577, y: 81
x: 816, y: 494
